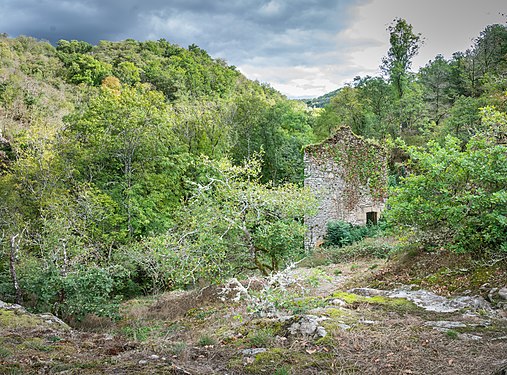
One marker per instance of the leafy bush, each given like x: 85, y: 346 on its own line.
x: 340, y: 233
x: 85, y: 290
x: 368, y: 247
x: 373, y: 247
x: 456, y: 196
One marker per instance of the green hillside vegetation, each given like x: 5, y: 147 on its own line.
x: 132, y: 168
x: 321, y: 101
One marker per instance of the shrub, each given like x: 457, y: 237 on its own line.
x: 368, y: 247
x: 340, y: 233
x: 84, y: 290
x: 456, y: 196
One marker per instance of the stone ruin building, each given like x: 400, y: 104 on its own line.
x: 349, y: 176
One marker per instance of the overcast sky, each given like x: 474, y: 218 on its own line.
x: 304, y: 48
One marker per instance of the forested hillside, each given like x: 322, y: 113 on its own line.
x: 130, y: 168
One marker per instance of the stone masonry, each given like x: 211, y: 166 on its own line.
x: 349, y: 176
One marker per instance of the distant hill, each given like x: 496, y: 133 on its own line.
x: 321, y: 101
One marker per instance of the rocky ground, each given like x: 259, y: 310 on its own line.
x: 321, y: 320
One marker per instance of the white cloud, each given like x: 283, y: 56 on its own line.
x: 447, y: 26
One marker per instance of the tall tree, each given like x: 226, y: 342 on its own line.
x: 404, y: 46
x: 435, y: 78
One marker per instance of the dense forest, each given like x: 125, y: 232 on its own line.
x: 130, y: 168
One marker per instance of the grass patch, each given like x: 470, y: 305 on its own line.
x: 38, y: 344
x: 261, y: 338
x: 9, y: 319
x: 177, y: 348
x: 277, y: 359
x: 139, y: 333
x: 206, y: 340
x: 334, y: 313
x: 4, y: 352
x: 284, y: 370
x: 452, y: 334
x: 376, y: 248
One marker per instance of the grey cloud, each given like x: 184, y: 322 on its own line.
x: 250, y: 22
x: 255, y: 32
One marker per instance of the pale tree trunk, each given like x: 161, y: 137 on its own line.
x: 14, y: 276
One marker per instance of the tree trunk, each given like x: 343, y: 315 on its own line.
x: 14, y: 276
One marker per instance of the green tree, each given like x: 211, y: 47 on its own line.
x: 435, y: 78
x: 457, y: 197
x: 404, y: 46
x: 86, y: 69
x: 464, y: 118
x: 378, y: 98
x: 232, y: 224
x: 123, y: 143
x: 73, y: 46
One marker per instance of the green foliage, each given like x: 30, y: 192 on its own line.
x: 231, y: 224
x: 365, y: 248
x: 435, y: 78
x: 277, y: 131
x: 81, y: 291
x: 464, y: 118
x: 73, y: 46
x: 123, y: 142
x: 284, y: 370
x: 86, y: 69
x: 457, y: 196
x: 452, y: 334
x: 206, y: 340
x: 340, y: 233
x: 404, y: 46
x: 111, y: 170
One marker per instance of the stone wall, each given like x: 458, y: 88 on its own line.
x: 349, y: 176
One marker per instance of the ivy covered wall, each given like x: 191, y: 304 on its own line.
x: 349, y: 175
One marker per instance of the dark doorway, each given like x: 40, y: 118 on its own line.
x: 371, y: 218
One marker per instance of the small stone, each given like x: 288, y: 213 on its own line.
x: 485, y: 287
x: 142, y: 362
x: 445, y: 324
x: 338, y: 302
x: 370, y: 322
x: 344, y: 326
x: 308, y: 325
x: 154, y: 357
x: 502, y: 293
x: 468, y: 336
x: 252, y: 352
x: 321, y: 331
x: 491, y: 294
